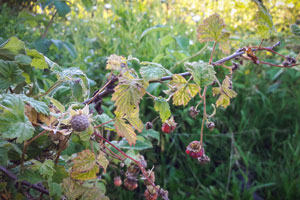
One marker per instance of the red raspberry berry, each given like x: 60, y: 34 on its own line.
x: 187, y: 151
x: 200, y: 153
x: 194, y: 154
x: 166, y: 128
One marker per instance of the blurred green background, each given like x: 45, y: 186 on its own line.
x: 255, y: 148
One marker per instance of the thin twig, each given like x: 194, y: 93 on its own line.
x: 188, y: 58
x: 203, y: 116
x: 49, y: 24
x: 100, y: 125
x: 15, y: 178
x: 212, y: 53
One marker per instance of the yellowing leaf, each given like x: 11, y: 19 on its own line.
x: 102, y: 161
x: 185, y: 92
x: 115, y: 62
x: 135, y: 121
x: 162, y: 106
x: 72, y: 190
x: 226, y: 93
x: 125, y: 130
x: 128, y: 94
x: 84, y: 161
x: 212, y: 29
x: 86, y: 175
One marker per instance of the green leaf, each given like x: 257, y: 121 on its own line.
x: 31, y: 176
x: 10, y: 48
x: 57, y: 104
x: 154, y: 29
x: 168, y: 39
x: 185, y: 92
x: 202, y: 72
x: 128, y: 94
x: 5, y: 147
x: 60, y: 174
x: 141, y: 144
x: 71, y: 189
x: 55, y: 189
x: 295, y: 29
x: 102, y: 161
x: 265, y: 26
x: 88, y: 4
x: 39, y: 106
x: 162, y: 106
x: 150, y: 133
x: 152, y: 71
x: 23, y: 59
x: 42, y: 45
x: 13, y: 121
x: 125, y: 130
x: 183, y: 42
x: 38, y: 59
x: 100, y: 119
x: 62, y: 8
x: 70, y: 48
x: 84, y: 161
x: 77, y: 90
x: 46, y: 169
x: 212, y: 30
x: 9, y: 74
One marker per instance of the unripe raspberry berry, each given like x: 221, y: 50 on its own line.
x: 80, y: 123
x: 193, y: 112
x: 149, y: 125
x: 117, y: 181
x: 149, y: 196
x: 210, y: 125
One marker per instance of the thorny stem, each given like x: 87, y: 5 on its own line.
x: 98, y: 126
x: 27, y: 143
x: 204, y: 115
x: 61, y: 147
x: 212, y: 53
x: 261, y: 43
x: 142, y: 168
x: 188, y: 58
x: 91, y: 100
x: 55, y: 85
x: 49, y: 24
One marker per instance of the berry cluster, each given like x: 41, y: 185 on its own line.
x: 195, y: 150
x: 169, y: 126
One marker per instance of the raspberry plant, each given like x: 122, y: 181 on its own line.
x: 31, y: 118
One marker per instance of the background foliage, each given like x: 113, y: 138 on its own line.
x: 254, y: 149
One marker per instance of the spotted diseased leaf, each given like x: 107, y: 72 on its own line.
x: 295, y: 29
x: 153, y: 71
x: 128, y: 94
x: 102, y: 161
x: 162, y: 106
x: 13, y: 121
x: 84, y: 161
x: 86, y: 175
x: 115, y: 62
x: 125, y: 130
x: 212, y: 30
x: 71, y: 189
x: 265, y: 26
x: 10, y: 74
x: 185, y: 91
x: 226, y: 93
x: 202, y: 72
